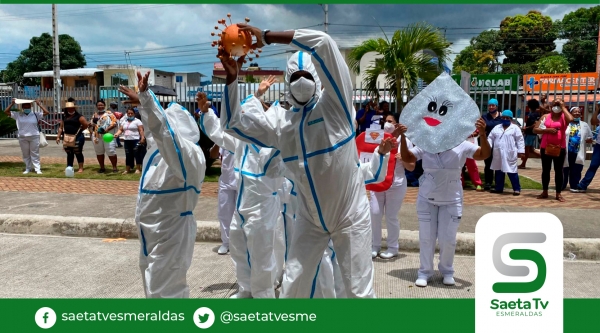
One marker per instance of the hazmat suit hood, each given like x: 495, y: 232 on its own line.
x: 301, y: 61
x: 182, y: 118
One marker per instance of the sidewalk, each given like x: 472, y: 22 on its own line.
x: 66, y: 267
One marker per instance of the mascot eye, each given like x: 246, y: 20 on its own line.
x: 432, y: 107
x: 444, y: 107
x: 443, y: 110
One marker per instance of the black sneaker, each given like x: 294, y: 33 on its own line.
x: 487, y: 187
x: 494, y: 191
x: 101, y: 170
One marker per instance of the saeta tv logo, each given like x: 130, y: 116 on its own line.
x: 519, y: 271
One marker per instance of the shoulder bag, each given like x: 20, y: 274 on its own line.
x: 43, y: 141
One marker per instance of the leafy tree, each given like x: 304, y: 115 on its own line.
x: 552, y: 65
x: 475, y: 61
x: 251, y: 79
x: 418, y: 51
x: 7, y: 124
x: 581, y: 29
x: 527, y: 38
x: 489, y: 40
x: 528, y: 68
x: 38, y: 57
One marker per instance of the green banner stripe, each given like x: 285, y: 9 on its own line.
x: 338, y: 315
x: 474, y: 2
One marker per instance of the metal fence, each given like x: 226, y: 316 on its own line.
x: 510, y: 95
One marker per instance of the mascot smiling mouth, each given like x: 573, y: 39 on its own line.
x: 431, y: 121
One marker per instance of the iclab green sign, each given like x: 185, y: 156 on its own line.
x: 491, y: 81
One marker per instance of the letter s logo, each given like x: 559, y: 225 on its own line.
x: 519, y: 254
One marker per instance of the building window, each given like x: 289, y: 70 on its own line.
x: 179, y: 78
x: 119, y: 79
x: 81, y: 83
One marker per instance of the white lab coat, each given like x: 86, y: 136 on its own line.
x: 586, y: 133
x: 317, y: 143
x: 507, y: 145
x: 252, y: 231
x: 169, y: 189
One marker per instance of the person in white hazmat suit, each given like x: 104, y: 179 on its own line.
x: 227, y: 195
x: 169, y: 189
x: 439, y: 202
x: 316, y: 142
x: 252, y: 230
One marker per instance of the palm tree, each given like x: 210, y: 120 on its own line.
x: 418, y: 51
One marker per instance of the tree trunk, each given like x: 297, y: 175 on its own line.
x: 399, y: 105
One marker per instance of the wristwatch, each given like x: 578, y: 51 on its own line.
x: 264, y: 36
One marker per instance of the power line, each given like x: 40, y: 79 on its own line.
x: 86, y: 12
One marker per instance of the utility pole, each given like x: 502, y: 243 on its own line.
x: 56, y: 62
x: 326, y: 8
x: 326, y: 11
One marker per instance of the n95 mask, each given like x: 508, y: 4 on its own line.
x: 303, y: 90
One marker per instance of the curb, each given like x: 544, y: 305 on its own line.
x: 209, y: 231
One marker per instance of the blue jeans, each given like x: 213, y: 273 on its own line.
x: 514, y: 180
x: 572, y: 173
x: 591, y: 171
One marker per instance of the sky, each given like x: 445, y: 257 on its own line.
x: 176, y: 38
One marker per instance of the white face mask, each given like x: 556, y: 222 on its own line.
x: 303, y: 90
x: 388, y: 127
x: 556, y: 109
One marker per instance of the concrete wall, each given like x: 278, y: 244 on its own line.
x: 163, y: 79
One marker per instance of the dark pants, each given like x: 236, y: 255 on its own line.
x: 572, y: 173
x: 76, y: 151
x: 558, y: 169
x: 591, y: 171
x: 514, y: 180
x: 118, y: 139
x: 488, y: 173
x: 131, y: 155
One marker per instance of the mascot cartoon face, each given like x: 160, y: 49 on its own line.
x: 441, y: 116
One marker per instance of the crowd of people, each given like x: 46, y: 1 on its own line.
x: 71, y: 132
x: 293, y: 205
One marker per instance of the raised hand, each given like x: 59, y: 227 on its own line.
x: 143, y: 81
x: 386, y: 146
x: 133, y: 96
x: 400, y: 129
x: 203, y: 102
x: 480, y: 125
x: 256, y: 32
x: 265, y: 85
x: 230, y: 65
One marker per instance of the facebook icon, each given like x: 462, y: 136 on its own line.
x: 45, y: 317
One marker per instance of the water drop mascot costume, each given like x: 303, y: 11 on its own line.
x: 169, y: 189
x: 316, y: 142
x: 438, y: 121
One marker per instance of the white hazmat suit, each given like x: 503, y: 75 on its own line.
x: 252, y: 230
x: 169, y: 188
x: 227, y: 194
x: 316, y: 142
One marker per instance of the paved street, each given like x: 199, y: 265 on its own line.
x: 47, y: 266
x: 64, y: 267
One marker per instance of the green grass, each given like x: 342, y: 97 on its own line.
x: 11, y: 169
x: 526, y: 183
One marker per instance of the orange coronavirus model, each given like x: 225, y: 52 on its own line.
x: 235, y: 42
